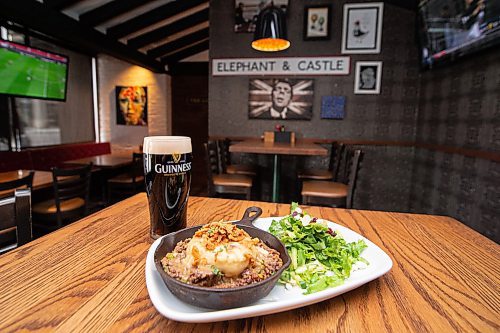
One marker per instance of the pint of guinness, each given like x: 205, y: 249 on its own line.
x: 167, y: 171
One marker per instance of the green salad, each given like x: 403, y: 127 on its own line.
x: 321, y: 258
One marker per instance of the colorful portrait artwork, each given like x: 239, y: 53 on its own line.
x: 131, y: 105
x: 280, y: 99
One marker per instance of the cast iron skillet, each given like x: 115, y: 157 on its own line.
x: 215, y: 298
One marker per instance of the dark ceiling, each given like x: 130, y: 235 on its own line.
x: 155, y: 34
x: 149, y: 33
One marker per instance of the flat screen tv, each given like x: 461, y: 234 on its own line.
x: 30, y: 72
x: 450, y: 29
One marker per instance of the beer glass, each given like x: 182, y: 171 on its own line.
x: 167, y: 172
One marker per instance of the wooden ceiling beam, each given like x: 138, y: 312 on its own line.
x: 179, y: 43
x: 60, y: 4
x: 171, y: 59
x: 162, y: 32
x: 110, y: 10
x: 37, y: 16
x: 142, y: 21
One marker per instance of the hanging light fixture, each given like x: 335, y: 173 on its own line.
x: 270, y: 30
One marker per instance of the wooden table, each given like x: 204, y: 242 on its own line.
x: 110, y: 164
x: 89, y: 277
x: 41, y: 179
x: 277, y: 149
x: 104, y: 161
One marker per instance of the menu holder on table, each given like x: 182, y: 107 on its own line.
x: 286, y: 137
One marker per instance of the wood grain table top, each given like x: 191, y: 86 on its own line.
x: 280, y: 148
x: 89, y: 277
x: 41, y: 179
x: 104, y: 161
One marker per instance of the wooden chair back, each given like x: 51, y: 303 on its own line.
x: 212, y: 160
x: 26, y: 181
x: 16, y: 216
x: 224, y: 154
x: 137, y: 170
x: 336, y: 154
x: 354, y: 162
x: 69, y: 184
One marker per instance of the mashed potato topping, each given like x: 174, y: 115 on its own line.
x: 224, y: 246
x: 221, y: 254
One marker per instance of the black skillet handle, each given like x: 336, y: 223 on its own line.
x: 248, y: 218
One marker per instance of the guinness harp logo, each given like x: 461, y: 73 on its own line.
x: 176, y: 157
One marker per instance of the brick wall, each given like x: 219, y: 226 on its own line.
x: 113, y: 72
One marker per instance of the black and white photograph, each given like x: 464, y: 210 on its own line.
x: 246, y: 12
x: 280, y: 99
x: 368, y: 77
x: 317, y: 22
x: 362, y: 28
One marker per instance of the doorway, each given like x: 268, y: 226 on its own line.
x: 190, y: 115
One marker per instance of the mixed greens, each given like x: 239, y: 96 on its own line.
x: 320, y: 257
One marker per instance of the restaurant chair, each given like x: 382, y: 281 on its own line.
x: 71, y: 197
x: 225, y: 161
x: 15, y: 222
x: 222, y: 183
x: 336, y: 153
x: 335, y: 194
x: 128, y: 183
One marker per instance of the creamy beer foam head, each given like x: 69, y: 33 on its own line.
x: 167, y: 145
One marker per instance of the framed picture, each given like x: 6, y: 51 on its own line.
x: 247, y: 11
x: 131, y: 105
x: 362, y: 29
x: 368, y: 77
x: 280, y: 99
x: 317, y: 22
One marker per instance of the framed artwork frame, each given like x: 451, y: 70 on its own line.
x: 247, y: 11
x: 317, y: 22
x: 368, y: 77
x: 362, y: 28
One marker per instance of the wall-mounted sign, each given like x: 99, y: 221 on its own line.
x: 335, y: 65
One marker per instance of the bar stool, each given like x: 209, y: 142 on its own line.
x: 336, y: 194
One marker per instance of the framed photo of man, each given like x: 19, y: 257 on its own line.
x: 280, y: 99
x: 368, y: 77
x: 362, y: 28
x: 317, y: 22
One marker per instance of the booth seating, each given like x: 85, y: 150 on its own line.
x: 48, y: 157
x: 15, y: 160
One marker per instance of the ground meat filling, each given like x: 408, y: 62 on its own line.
x: 262, y: 262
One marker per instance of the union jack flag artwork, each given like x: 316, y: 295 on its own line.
x: 280, y: 99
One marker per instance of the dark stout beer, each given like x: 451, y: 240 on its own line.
x: 167, y: 169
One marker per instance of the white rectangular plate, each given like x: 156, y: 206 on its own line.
x: 280, y: 299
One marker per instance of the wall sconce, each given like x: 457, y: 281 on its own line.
x: 270, y: 30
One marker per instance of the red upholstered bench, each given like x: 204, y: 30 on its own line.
x: 15, y: 160
x: 46, y: 158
